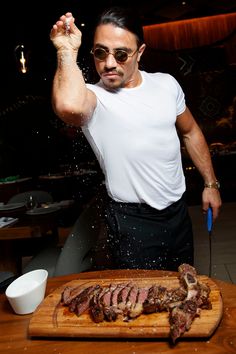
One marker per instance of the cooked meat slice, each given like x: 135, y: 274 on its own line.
x: 70, y: 293
x: 137, y: 309
x: 204, y: 300
x: 175, y: 297
x: 123, y: 296
x: 117, y: 312
x: 115, y: 294
x: 95, y: 306
x: 65, y: 295
x: 130, y: 302
x: 181, y: 318
x: 155, y: 300
x: 132, y: 298
x: 106, y: 300
x: 83, y: 300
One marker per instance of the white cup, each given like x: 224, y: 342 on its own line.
x: 28, y: 291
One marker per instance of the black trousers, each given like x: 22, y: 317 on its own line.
x: 141, y: 237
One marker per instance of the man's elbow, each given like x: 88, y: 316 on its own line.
x: 67, y: 113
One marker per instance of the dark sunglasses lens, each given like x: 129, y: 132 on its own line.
x: 100, y: 53
x: 121, y: 55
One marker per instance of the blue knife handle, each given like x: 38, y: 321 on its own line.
x: 209, y: 220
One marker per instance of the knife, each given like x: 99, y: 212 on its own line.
x: 209, y: 229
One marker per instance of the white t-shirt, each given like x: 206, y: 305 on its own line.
x: 133, y: 135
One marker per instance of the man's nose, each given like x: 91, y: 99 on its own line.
x: 110, y: 61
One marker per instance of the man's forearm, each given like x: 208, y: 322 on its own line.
x: 199, y: 153
x: 69, y: 90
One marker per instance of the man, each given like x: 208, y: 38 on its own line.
x: 131, y: 119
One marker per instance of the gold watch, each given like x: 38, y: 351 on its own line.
x: 215, y: 185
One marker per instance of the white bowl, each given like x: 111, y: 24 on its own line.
x: 28, y: 291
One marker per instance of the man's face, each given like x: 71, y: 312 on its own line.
x: 113, y: 72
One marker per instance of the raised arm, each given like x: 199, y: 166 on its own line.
x: 71, y: 99
x: 199, y: 153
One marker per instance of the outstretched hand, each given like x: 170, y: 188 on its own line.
x: 65, y: 35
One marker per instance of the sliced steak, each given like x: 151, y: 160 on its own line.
x: 137, y: 309
x: 128, y: 301
x: 81, y: 303
x: 95, y: 306
x: 106, y: 300
x: 70, y: 293
x: 155, y: 300
x: 123, y: 297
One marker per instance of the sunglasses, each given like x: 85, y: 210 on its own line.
x: 120, y: 55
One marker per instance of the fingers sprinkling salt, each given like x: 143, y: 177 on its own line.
x: 67, y: 25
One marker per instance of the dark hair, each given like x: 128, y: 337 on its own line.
x: 125, y: 18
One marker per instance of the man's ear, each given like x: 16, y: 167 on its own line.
x: 141, y: 50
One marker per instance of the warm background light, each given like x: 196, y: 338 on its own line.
x: 196, y: 32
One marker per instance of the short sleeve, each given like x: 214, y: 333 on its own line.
x: 180, y: 98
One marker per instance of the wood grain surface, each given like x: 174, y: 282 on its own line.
x: 51, y: 319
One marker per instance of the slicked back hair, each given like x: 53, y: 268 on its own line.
x: 125, y: 18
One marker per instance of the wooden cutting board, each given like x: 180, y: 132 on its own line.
x: 51, y: 319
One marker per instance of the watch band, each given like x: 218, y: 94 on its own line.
x: 215, y: 185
